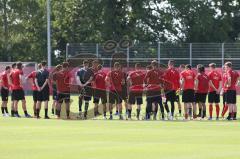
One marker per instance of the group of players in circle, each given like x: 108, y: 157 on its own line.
x: 114, y: 86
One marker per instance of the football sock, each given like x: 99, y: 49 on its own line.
x: 52, y: 111
x: 68, y: 112
x: 217, y: 110
x: 180, y: 111
x: 129, y: 113
x: 37, y: 112
x: 6, y: 110
x: 46, y: 112
x: 80, y: 105
x: 12, y: 112
x: 2, y: 108
x: 138, y: 113
x: 204, y: 114
x: 234, y: 115
x: 104, y: 113
x: 25, y: 112
x: 166, y: 107
x: 172, y: 108
x: 200, y: 112
x: 210, y: 110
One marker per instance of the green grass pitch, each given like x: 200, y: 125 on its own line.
x: 100, y: 139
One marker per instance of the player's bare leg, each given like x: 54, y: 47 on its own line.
x: 179, y: 107
x: 12, y: 109
x: 16, y: 114
x: 194, y: 110
x: 58, y: 110
x: 105, y: 111
x: 110, y: 111
x: 54, y: 104
x: 4, y: 109
x: 129, y: 109
x: 186, y: 109
x: 24, y: 107
x: 230, y: 108
x: 120, y: 111
x: 35, y: 108
x: 138, y: 111
x: 204, y: 110
x: 39, y: 105
x: 68, y: 109
x: 234, y: 112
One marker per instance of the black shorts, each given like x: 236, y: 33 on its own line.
x: 115, y: 97
x: 4, y: 94
x: 201, y: 97
x: 188, y: 96
x: 135, y: 97
x: 18, y: 95
x: 63, y: 97
x: 154, y: 97
x: 86, y: 93
x: 170, y: 95
x: 100, y: 94
x: 213, y: 97
x: 54, y: 95
x: 43, y: 95
x: 177, y: 98
x: 34, y: 94
x: 231, y: 97
x: 124, y: 93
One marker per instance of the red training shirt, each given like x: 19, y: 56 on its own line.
x: 16, y: 81
x: 32, y: 76
x: 234, y: 77
x: 116, y: 78
x: 189, y: 78
x: 172, y: 76
x: 216, y: 78
x: 203, y: 83
x: 137, y: 81
x: 63, y: 79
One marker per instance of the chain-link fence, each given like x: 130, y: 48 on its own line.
x: 184, y: 53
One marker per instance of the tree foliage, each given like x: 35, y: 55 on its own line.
x: 23, y: 23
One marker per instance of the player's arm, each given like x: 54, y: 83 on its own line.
x: 196, y: 81
x: 21, y: 79
x: 36, y: 83
x: 45, y: 83
x: 212, y: 85
x: 182, y: 82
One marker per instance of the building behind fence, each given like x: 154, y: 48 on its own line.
x: 185, y: 53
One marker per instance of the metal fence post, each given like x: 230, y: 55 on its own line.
x: 159, y: 52
x: 128, y: 57
x: 67, y: 50
x: 97, y: 53
x: 190, y: 54
x: 222, y: 54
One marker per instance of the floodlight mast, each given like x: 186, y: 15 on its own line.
x: 49, y: 33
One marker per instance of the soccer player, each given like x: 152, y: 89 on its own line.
x: 215, y: 87
x: 54, y: 91
x: 180, y: 69
x: 16, y: 80
x: 94, y: 69
x: 63, y: 80
x: 136, y: 81
x: 84, y: 79
x: 230, y: 84
x: 115, y: 81
x: 5, y: 90
x: 32, y: 77
x: 172, y: 77
x: 187, y: 78
x: 201, y: 89
x: 224, y: 94
x: 14, y: 65
x: 42, y: 83
x: 153, y: 81
x: 125, y: 91
x: 100, y: 91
